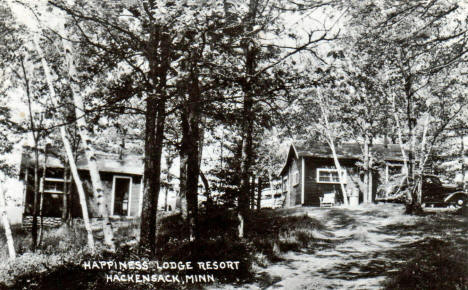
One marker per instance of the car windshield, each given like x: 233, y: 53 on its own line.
x: 432, y: 179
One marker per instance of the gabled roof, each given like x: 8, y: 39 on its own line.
x: 389, y: 152
x: 349, y: 151
x: 128, y: 164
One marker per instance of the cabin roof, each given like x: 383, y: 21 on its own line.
x: 353, y: 151
x: 127, y: 164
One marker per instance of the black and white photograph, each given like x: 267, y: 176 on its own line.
x: 234, y: 144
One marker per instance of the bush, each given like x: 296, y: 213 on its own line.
x: 436, y: 264
x: 268, y: 234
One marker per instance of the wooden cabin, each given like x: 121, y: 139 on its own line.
x: 121, y: 177
x: 309, y: 172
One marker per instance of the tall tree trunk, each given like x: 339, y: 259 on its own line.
x: 463, y: 161
x: 70, y: 199
x: 6, y: 224
x: 422, y: 162
x: 252, y: 193
x: 36, y: 197
x: 371, y: 181
x: 191, y: 118
x: 68, y: 149
x: 42, y: 188
x: 158, y: 54
x: 79, y: 187
x: 83, y: 130
x: 412, y: 205
x: 366, y: 170
x: 331, y: 142
x: 165, y: 198
x: 247, y: 123
x: 154, y: 136
x: 340, y: 170
x: 368, y: 198
x: 182, y: 196
x: 169, y: 162
x: 206, y: 184
x: 246, y: 161
x: 400, y: 137
x: 259, y: 193
x: 65, y: 193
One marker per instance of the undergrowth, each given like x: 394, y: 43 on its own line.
x: 268, y: 235
x: 435, y: 264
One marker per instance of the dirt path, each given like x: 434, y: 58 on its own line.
x: 359, y: 249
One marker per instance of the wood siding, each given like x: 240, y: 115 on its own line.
x: 135, y: 198
x: 294, y: 190
x: 107, y: 180
x: 314, y: 190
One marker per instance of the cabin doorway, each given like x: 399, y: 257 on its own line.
x: 121, y: 197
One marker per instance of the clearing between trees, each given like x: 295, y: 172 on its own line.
x: 374, y: 247
x: 370, y: 247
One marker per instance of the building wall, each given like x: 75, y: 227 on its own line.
x: 294, y: 193
x: 107, y: 181
x: 74, y: 202
x: 314, y: 190
x: 135, y: 198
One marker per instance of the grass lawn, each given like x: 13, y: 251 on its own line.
x: 371, y: 247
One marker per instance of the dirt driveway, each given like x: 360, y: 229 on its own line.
x: 360, y: 248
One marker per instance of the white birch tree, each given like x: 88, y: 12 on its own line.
x: 6, y: 223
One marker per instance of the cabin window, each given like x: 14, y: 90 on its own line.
x: 54, y: 185
x: 121, y: 188
x: 296, y: 178
x: 285, y: 184
x: 54, y: 189
x: 327, y: 175
x: 394, y: 169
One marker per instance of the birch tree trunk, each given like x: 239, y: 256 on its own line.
x: 331, y: 143
x: 371, y: 181
x: 422, y: 161
x: 6, y: 224
x: 36, y: 197
x: 366, y: 170
x: 79, y: 187
x: 400, y: 138
x: 41, y: 202
x: 65, y: 194
x: 462, y: 160
x: 98, y: 188
x: 340, y: 177
x: 412, y: 204
x: 68, y: 150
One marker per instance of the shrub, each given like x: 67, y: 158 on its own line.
x: 436, y: 264
x: 268, y: 234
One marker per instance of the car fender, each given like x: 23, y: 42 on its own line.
x: 465, y: 194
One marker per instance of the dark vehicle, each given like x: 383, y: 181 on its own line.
x: 437, y: 194
x: 434, y: 193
